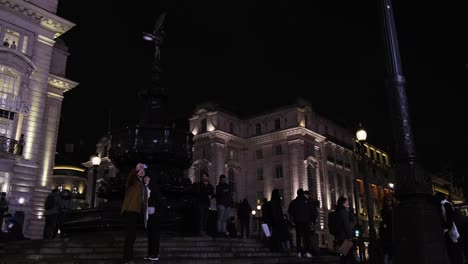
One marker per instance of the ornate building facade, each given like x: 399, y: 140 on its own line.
x: 288, y: 148
x: 32, y: 83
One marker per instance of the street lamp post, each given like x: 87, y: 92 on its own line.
x: 357, y: 226
x: 361, y: 136
x: 96, y: 160
x: 417, y: 232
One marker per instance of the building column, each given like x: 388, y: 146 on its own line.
x: 298, y: 177
x: 219, y: 161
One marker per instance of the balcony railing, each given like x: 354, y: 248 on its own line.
x: 9, y: 145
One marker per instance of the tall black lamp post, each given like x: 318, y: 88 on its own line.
x: 417, y: 232
x: 96, y: 160
x: 361, y: 136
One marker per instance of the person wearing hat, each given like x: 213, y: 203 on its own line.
x: 134, y: 207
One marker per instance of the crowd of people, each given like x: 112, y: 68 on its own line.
x: 142, y: 204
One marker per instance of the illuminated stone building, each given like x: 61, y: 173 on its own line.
x: 287, y: 148
x: 32, y: 83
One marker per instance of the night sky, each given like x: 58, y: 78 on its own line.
x: 254, y: 55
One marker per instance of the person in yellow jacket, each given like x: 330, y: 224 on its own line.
x: 134, y: 207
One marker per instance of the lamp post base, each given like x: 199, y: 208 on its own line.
x: 418, y: 235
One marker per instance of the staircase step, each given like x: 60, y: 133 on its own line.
x: 107, y: 247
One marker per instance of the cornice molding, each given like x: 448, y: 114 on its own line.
x: 45, y: 18
x: 218, y: 134
x: 61, y: 83
x: 286, y: 133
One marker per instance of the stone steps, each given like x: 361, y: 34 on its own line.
x: 106, y: 247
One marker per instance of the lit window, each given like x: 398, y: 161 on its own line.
x: 11, y: 39
x: 24, y: 49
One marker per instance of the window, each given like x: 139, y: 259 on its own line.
x: 203, y: 153
x: 340, y: 180
x: 7, y: 114
x: 203, y: 125
x: 233, y: 154
x: 232, y: 183
x: 331, y: 179
x: 9, y: 82
x: 11, y: 39
x: 278, y: 172
x: 278, y: 150
x: 231, y: 127
x: 259, y: 154
x: 259, y: 174
x: 24, y: 49
x: 277, y: 124
x: 258, y: 129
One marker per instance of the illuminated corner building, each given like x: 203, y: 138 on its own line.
x: 32, y: 84
x: 286, y: 148
x: 380, y: 179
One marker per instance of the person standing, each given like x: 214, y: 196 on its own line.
x: 386, y: 228
x: 204, y: 191
x: 299, y: 210
x: 343, y: 228
x: 52, y: 206
x: 153, y: 226
x: 279, y: 227
x: 133, y: 208
x: 244, y: 211
x: 223, y: 203
x: 452, y: 236
x: 67, y: 206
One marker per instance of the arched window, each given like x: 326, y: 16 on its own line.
x: 312, y: 180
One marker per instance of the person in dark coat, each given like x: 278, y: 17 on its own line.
x: 51, y: 215
x: 452, y: 236
x: 343, y: 228
x: 204, y: 191
x: 244, y: 211
x: 223, y: 204
x: 279, y: 227
x: 153, y: 224
x: 299, y: 210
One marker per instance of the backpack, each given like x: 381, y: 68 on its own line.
x: 49, y: 202
x: 332, y: 222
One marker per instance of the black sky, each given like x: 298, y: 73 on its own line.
x: 252, y: 55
